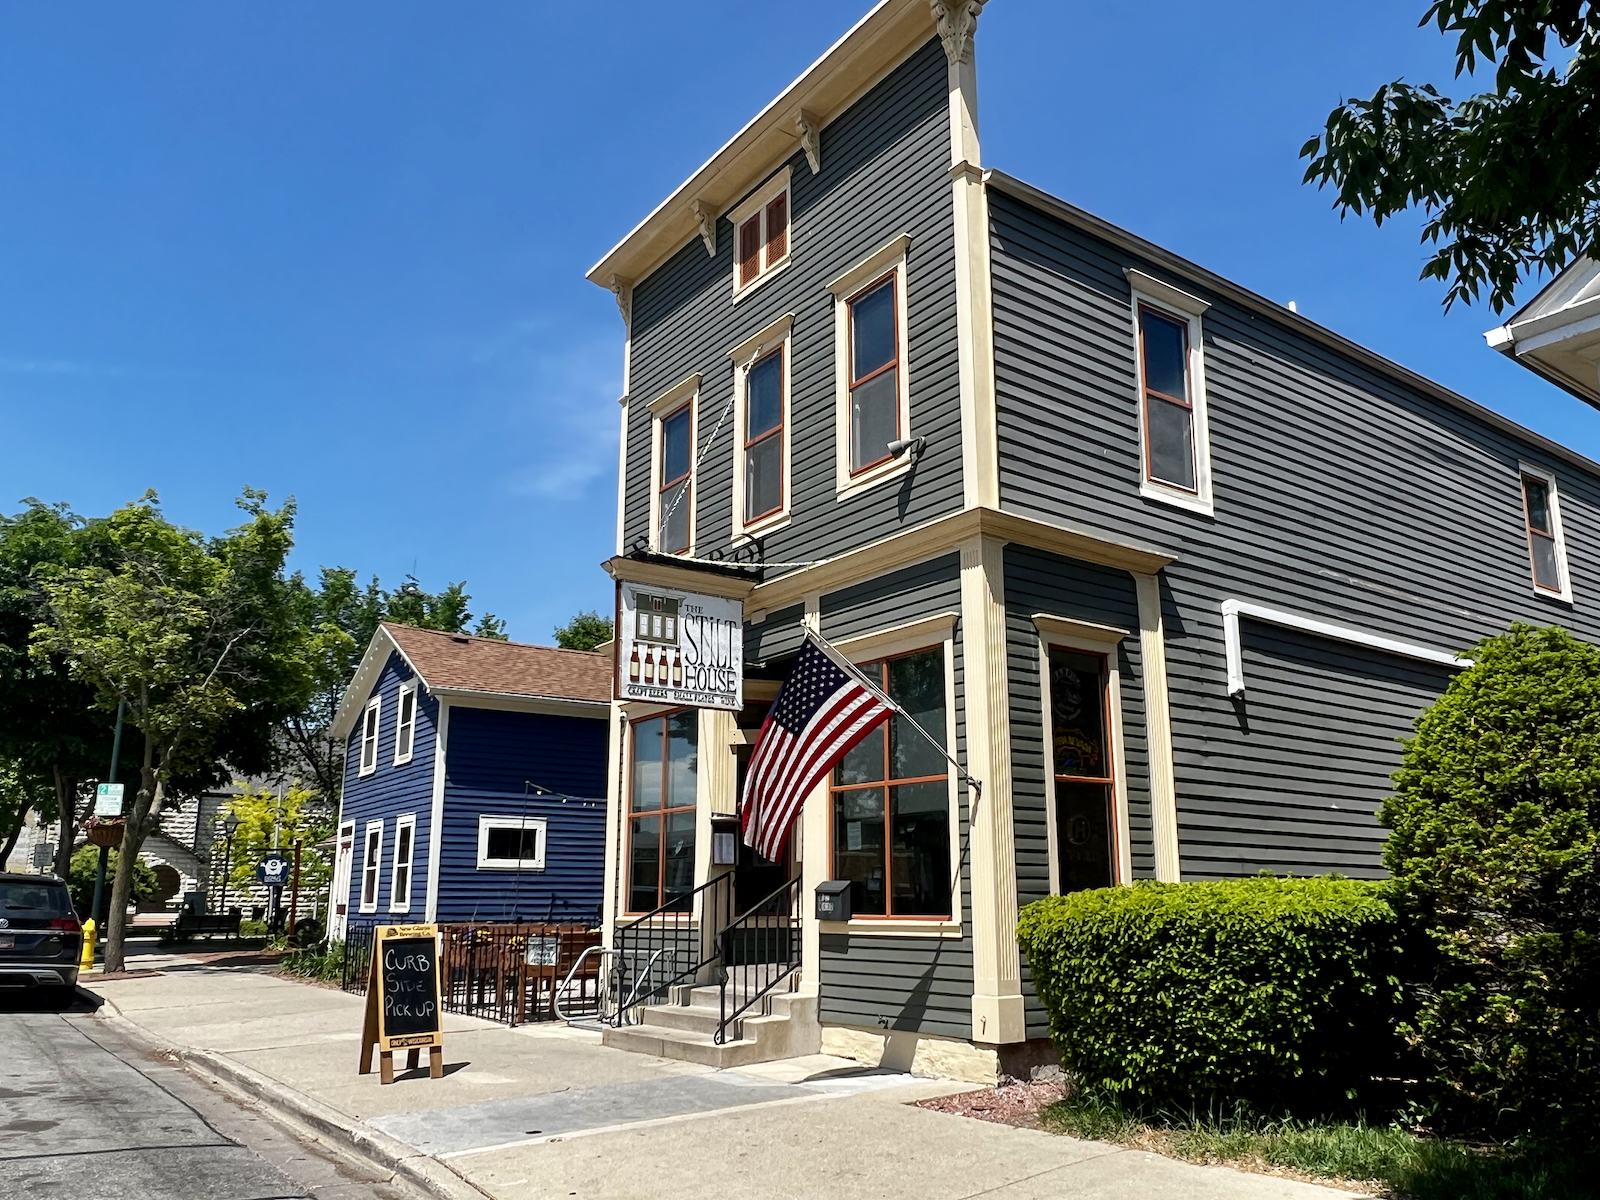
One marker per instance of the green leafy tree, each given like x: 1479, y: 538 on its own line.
x: 296, y: 813
x: 84, y: 865
x: 1495, y: 844
x: 50, y: 724
x: 22, y: 789
x: 584, y: 632
x: 198, y: 637
x: 1509, y: 178
x: 338, y: 605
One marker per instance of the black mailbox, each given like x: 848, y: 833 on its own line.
x: 833, y: 900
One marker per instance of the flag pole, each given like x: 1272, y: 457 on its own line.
x: 836, y: 656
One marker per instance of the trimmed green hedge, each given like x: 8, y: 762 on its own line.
x: 1278, y: 992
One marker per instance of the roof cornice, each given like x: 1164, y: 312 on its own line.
x: 876, y: 44
x: 1247, y: 299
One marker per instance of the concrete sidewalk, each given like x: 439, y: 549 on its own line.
x: 547, y: 1111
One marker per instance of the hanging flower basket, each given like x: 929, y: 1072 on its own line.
x: 104, y: 832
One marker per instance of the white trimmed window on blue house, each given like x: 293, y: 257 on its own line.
x: 511, y: 843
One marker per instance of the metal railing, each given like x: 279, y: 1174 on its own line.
x: 758, y: 950
x: 357, y: 956
x: 668, y: 946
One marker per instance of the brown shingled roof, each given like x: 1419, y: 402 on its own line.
x: 456, y: 660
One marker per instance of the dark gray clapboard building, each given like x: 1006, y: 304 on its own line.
x: 1169, y: 566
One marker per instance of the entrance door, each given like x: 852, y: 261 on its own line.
x: 754, y: 878
x: 339, y: 890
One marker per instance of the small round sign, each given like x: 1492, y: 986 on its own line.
x: 274, y: 869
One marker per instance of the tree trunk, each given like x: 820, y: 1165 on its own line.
x: 146, y: 811
x: 16, y: 832
x: 67, y: 814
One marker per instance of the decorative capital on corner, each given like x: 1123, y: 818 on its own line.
x: 706, y: 217
x: 958, y: 22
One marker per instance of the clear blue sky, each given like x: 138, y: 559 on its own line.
x: 336, y: 249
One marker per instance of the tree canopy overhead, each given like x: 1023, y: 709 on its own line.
x: 1509, y: 178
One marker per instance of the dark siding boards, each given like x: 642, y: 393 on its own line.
x: 1339, y: 493
x: 391, y: 791
x: 884, y: 172
x: 903, y: 983
x: 489, y: 757
x: 1037, y: 582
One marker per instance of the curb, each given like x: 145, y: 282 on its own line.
x: 322, y: 1120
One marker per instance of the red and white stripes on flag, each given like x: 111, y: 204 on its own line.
x: 821, y: 712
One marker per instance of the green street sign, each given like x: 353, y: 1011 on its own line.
x: 108, y: 800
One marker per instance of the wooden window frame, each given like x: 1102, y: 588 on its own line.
x: 401, y: 725
x: 491, y: 821
x: 630, y: 813
x: 373, y: 714
x: 757, y: 210
x: 664, y: 486
x: 1184, y: 402
x: 1164, y: 300
x: 1087, y: 638
x: 774, y: 339
x: 1526, y: 472
x: 371, y: 860
x: 778, y: 431
x: 891, y: 918
x: 849, y: 286
x: 891, y: 279
x: 397, y: 902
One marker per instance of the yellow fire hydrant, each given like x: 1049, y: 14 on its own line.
x: 90, y: 934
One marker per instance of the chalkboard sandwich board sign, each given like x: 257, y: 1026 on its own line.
x: 403, y: 1010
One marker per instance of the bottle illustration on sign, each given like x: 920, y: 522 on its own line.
x: 633, y: 666
x: 677, y: 669
x: 650, y: 664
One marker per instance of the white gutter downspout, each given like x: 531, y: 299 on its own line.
x: 1232, y: 610
x: 436, y: 824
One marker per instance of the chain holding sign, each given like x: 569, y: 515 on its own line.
x: 680, y: 648
x: 403, y: 1000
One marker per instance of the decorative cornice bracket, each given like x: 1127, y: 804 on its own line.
x: 809, y: 126
x: 622, y: 289
x: 706, y: 216
x: 958, y: 23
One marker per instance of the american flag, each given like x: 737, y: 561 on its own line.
x: 820, y: 713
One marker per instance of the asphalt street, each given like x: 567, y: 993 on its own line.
x: 86, y: 1113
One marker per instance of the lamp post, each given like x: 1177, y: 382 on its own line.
x: 230, y: 824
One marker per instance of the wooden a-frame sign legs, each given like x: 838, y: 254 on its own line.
x: 403, y: 1001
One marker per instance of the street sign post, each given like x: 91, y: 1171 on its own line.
x: 108, y: 800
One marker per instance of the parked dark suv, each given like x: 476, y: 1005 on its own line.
x: 40, y: 937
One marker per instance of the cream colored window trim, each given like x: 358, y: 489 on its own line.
x: 894, y: 927
x: 900, y: 639
x: 1547, y: 478
x: 888, y: 258
x: 683, y: 394
x: 1070, y: 628
x: 755, y: 205
x: 1186, y: 309
x: 1094, y: 639
x: 778, y: 335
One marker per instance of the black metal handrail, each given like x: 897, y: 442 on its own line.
x: 357, y: 957
x: 758, y: 950
x: 669, y: 945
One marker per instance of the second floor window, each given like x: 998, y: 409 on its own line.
x: 1541, y: 513
x: 763, y: 447
x: 677, y: 443
x: 1169, y: 433
x: 874, y: 374
x: 405, y: 732
x: 369, y: 736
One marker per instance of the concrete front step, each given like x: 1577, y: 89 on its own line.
x: 686, y: 1031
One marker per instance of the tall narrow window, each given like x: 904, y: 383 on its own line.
x: 763, y: 446
x: 1169, y: 433
x: 874, y: 374
x: 1079, y: 729
x: 371, y: 864
x: 405, y: 829
x: 677, y: 443
x: 662, y: 810
x: 1542, y: 516
x: 369, y: 736
x: 405, y: 731
x: 891, y: 800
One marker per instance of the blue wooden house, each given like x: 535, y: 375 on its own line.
x: 474, y: 781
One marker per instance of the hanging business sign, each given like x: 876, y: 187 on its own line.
x: 274, y: 870
x: 680, y: 648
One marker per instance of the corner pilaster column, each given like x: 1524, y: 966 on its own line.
x: 616, y: 813
x: 1158, y: 728
x: 997, y: 1011
x: 957, y: 21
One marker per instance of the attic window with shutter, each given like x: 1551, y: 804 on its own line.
x: 761, y: 233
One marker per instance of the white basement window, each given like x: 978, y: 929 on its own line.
x: 369, y: 735
x: 405, y: 730
x: 511, y: 843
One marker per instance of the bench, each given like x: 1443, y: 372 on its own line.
x: 189, y: 924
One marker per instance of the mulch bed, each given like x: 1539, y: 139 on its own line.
x: 1009, y: 1104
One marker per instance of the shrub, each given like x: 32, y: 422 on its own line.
x: 1495, y: 846
x: 1276, y: 992
x: 81, y: 871
x: 324, y: 961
